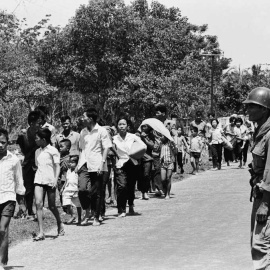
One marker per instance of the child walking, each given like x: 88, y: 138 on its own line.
x: 180, y: 143
x: 196, y: 146
x: 47, y: 159
x: 167, y: 159
x: 70, y: 191
x: 64, y: 148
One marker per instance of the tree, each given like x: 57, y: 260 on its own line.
x: 22, y: 86
x: 235, y: 86
x: 128, y: 58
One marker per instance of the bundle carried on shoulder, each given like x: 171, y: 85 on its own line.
x: 137, y: 150
x: 226, y: 143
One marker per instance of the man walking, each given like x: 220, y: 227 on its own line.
x: 258, y: 109
x: 94, y: 145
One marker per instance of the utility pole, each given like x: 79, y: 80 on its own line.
x: 212, y: 84
x: 212, y: 55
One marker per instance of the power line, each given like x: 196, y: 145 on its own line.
x: 17, y: 6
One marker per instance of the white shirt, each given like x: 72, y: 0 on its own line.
x: 72, y: 181
x: 241, y: 132
x: 92, y: 145
x: 123, y: 148
x: 215, y: 135
x: 45, y: 159
x: 11, y: 180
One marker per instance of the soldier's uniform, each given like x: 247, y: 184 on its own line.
x: 260, y: 181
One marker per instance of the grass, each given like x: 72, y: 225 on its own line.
x: 22, y: 229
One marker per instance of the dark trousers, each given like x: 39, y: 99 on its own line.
x: 106, y: 178
x: 125, y: 178
x: 245, y: 151
x: 239, y: 150
x: 145, y: 177
x: 96, y: 192
x: 84, y: 186
x: 156, y: 174
x: 180, y: 159
x: 228, y: 155
x: 216, y: 150
x: 28, y: 181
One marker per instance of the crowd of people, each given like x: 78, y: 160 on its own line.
x: 233, y: 139
x: 81, y: 165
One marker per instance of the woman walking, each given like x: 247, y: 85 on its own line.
x: 47, y: 160
x: 125, y: 171
x: 241, y: 131
x: 230, y: 133
x: 215, y: 142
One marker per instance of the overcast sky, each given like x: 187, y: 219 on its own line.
x: 242, y: 26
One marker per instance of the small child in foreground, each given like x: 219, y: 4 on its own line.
x: 70, y: 191
x: 196, y: 147
x: 167, y: 159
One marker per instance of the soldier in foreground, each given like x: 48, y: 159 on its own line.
x: 258, y: 109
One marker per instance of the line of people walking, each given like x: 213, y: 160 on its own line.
x: 80, y: 165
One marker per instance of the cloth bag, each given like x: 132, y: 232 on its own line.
x: 137, y: 150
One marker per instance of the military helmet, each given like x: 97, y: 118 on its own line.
x: 260, y: 96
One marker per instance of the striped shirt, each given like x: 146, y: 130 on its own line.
x: 46, y: 158
x: 11, y: 181
x: 196, y: 144
x: 166, y: 155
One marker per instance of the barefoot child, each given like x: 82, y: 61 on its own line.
x: 11, y: 183
x: 70, y: 191
x: 196, y: 146
x: 167, y: 159
x: 47, y: 159
x: 180, y: 143
x: 64, y: 148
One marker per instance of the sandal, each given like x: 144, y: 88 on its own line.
x: 61, y: 231
x: 85, y: 221
x: 72, y: 220
x: 39, y: 238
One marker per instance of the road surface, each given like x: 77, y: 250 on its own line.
x: 205, y: 225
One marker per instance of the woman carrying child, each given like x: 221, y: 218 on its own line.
x: 167, y: 159
x: 47, y: 160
